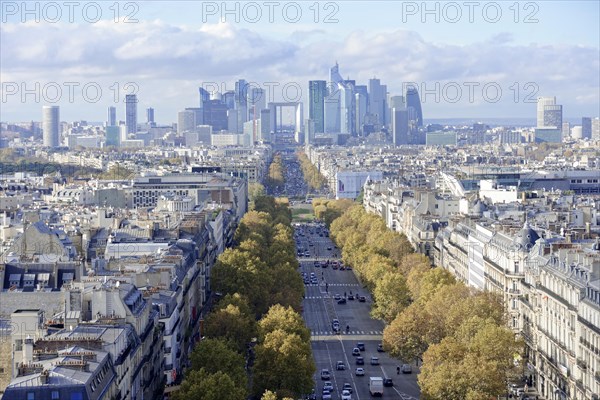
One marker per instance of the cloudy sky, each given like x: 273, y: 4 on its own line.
x: 468, y: 59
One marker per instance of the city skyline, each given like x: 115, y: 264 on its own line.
x: 165, y: 58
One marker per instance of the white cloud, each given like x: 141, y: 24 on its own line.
x: 169, y: 62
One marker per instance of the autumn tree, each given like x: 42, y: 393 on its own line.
x: 285, y: 319
x: 201, y: 385
x: 391, y: 296
x: 284, y: 364
x: 232, y: 326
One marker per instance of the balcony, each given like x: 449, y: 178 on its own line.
x: 581, y: 364
x: 597, y: 376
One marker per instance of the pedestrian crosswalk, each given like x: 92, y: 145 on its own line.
x: 321, y: 333
x: 334, y: 284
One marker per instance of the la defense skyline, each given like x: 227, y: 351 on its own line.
x: 334, y: 106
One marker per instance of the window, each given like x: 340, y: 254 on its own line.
x: 77, y: 396
x: 30, y: 396
x: 55, y: 395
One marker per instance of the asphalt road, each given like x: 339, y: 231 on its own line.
x: 320, y: 308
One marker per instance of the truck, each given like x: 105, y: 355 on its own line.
x: 376, y: 386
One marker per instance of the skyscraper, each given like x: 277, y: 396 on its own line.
x: 214, y: 114
x: 50, y: 125
x: 360, y: 103
x: 542, y: 102
x: 317, y: 90
x: 596, y: 129
x: 131, y: 113
x: 347, y: 107
x: 332, y: 109
x: 553, y: 116
x: 400, y: 125
x: 204, y: 96
x: 586, y: 127
x: 377, y: 102
x: 334, y: 75
x: 150, y: 115
x: 198, y: 115
x: 413, y: 106
x: 111, y: 118
x: 228, y: 98
x: 257, y: 100
x: 185, y: 121
x: 241, y: 104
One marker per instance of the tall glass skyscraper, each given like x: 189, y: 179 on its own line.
x: 50, y: 125
x: 586, y: 127
x: 204, y: 96
x: 131, y: 113
x: 317, y: 90
x: 334, y: 75
x: 347, y: 107
x: 150, y: 115
x: 413, y: 105
x: 377, y: 101
x: 241, y: 104
x: 111, y: 117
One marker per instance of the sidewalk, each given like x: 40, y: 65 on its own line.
x: 531, y: 394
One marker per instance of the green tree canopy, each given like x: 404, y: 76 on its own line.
x: 201, y: 385
x: 230, y: 325
x: 215, y: 355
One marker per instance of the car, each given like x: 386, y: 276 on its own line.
x: 335, y: 325
x: 340, y: 366
x: 374, y: 361
x: 350, y: 297
x: 347, y: 387
x: 325, y: 375
x: 341, y: 301
x: 361, y: 346
x: 359, y: 372
x: 360, y: 361
x: 380, y: 348
x: 388, y: 382
x: 356, y: 351
x: 337, y: 296
x: 328, y: 247
x: 328, y: 386
x: 406, y: 369
x: 362, y: 299
x: 326, y: 395
x: 346, y: 395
